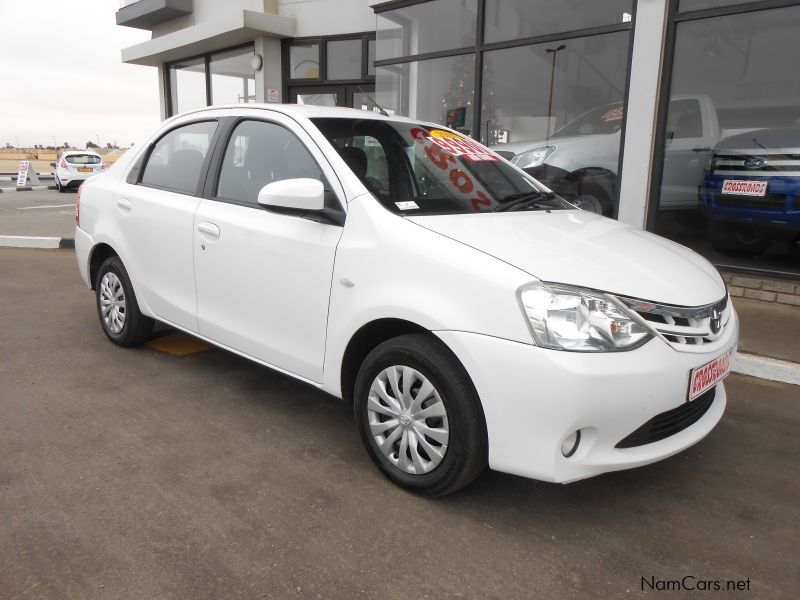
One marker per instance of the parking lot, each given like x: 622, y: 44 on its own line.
x: 143, y: 473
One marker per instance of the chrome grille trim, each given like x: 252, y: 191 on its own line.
x: 686, y: 328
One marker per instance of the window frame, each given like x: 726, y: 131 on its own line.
x: 225, y: 136
x: 168, y: 91
x: 136, y: 173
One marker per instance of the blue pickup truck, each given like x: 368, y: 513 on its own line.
x: 751, y: 190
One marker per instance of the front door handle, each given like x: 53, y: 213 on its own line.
x: 209, y: 230
x: 124, y: 204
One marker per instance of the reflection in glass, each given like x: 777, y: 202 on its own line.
x: 232, y: 77
x: 326, y: 99
x: 427, y: 27
x: 516, y: 19
x: 731, y: 172
x: 558, y: 107
x: 187, y: 83
x: 344, y: 59
x: 304, y: 60
x: 371, y: 57
x: 686, y: 5
x: 440, y: 90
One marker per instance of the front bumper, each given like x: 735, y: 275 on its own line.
x: 533, y: 398
x: 778, y: 209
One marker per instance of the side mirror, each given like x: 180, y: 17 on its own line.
x: 52, y: 164
x: 293, y: 195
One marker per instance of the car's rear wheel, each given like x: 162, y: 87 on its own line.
x: 60, y: 187
x: 119, y: 313
x: 419, y: 415
x: 739, y: 238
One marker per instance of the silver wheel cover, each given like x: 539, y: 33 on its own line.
x: 589, y: 203
x: 408, y: 420
x: 112, y: 302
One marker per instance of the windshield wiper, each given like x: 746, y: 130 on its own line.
x: 527, y: 199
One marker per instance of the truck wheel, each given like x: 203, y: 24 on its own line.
x: 737, y: 238
x: 589, y: 203
x: 119, y: 313
x: 419, y: 416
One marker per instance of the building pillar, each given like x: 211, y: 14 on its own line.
x: 162, y: 91
x: 642, y: 110
x: 270, y: 76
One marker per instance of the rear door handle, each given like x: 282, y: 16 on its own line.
x: 124, y: 204
x: 209, y: 230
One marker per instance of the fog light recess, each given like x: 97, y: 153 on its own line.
x: 570, y: 444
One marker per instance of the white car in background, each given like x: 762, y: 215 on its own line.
x: 471, y: 316
x: 76, y: 166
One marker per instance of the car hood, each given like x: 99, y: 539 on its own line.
x: 580, y: 248
x: 761, y: 140
x: 558, y: 142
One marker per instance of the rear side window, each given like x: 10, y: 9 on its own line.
x: 259, y: 153
x: 177, y: 158
x: 82, y: 159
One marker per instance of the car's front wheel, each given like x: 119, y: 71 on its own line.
x: 419, y: 415
x: 119, y: 313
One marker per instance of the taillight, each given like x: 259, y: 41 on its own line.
x: 78, y: 206
x: 63, y: 164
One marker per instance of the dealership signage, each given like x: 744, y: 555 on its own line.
x: 25, y: 174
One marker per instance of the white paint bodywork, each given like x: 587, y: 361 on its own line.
x: 290, y: 293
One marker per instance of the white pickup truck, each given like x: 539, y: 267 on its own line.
x: 580, y: 160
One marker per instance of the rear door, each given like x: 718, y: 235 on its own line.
x: 263, y: 279
x: 156, y: 208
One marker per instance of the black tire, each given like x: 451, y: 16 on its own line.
x: 137, y: 328
x: 738, y: 239
x: 60, y: 187
x: 467, y: 449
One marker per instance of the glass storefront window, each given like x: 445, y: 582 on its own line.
x: 232, y: 77
x: 304, y: 60
x: 343, y: 58
x: 439, y: 90
x: 427, y: 27
x: 187, y: 82
x: 516, y: 19
x: 687, y: 5
x: 730, y: 179
x: 557, y: 109
x: 371, y: 58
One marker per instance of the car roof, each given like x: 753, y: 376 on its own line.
x: 73, y: 152
x: 315, y: 112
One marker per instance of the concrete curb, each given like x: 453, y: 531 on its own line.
x: 41, y: 242
x: 27, y: 188
x: 767, y: 368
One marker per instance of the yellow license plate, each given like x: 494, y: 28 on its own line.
x: 85, y: 170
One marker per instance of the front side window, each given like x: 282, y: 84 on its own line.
x: 177, y: 159
x: 260, y: 153
x: 418, y: 169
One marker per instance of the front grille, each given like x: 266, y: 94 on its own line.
x: 744, y: 162
x: 685, y: 328
x: 671, y: 422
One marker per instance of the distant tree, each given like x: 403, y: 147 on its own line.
x: 66, y: 145
x: 91, y: 144
x: 108, y: 145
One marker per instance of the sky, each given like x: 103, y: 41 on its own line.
x: 61, y: 76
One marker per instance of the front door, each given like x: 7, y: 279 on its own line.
x: 264, y: 278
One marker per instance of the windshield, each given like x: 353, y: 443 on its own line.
x: 603, y: 119
x: 82, y: 159
x: 418, y: 169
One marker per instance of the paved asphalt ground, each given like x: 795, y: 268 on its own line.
x: 143, y: 474
x: 40, y: 213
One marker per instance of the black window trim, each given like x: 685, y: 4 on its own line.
x: 223, y: 140
x: 137, y: 170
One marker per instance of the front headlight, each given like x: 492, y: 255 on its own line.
x: 563, y: 317
x: 532, y: 158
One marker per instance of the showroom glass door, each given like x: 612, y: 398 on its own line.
x: 352, y: 96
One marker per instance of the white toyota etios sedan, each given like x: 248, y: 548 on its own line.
x: 470, y: 315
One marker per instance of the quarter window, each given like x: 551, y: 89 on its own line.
x: 260, y: 153
x: 177, y: 159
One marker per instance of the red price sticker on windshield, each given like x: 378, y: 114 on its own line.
x: 459, y: 146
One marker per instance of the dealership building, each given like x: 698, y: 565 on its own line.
x: 678, y: 116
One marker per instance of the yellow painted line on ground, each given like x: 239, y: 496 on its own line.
x: 178, y: 344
